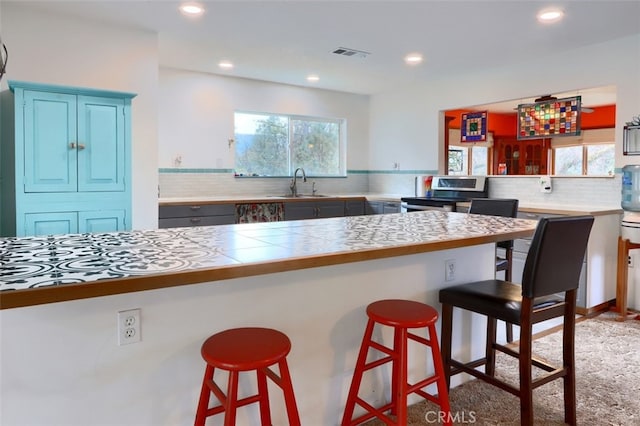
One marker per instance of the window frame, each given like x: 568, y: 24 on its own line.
x: 342, y: 143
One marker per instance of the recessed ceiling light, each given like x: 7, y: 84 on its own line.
x: 549, y: 16
x: 413, y: 59
x: 312, y: 78
x: 191, y: 9
x: 225, y: 65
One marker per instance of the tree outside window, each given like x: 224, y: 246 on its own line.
x: 275, y: 145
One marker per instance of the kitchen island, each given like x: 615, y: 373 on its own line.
x: 311, y: 279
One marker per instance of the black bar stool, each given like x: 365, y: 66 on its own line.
x: 549, y: 287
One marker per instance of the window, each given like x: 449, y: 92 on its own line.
x: 275, y: 145
x: 592, y: 159
x: 479, y: 160
x: 568, y: 160
x: 460, y: 158
x: 601, y: 159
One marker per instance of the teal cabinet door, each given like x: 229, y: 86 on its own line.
x: 65, y: 158
x: 101, y: 221
x: 51, y: 223
x: 50, y: 158
x: 101, y: 144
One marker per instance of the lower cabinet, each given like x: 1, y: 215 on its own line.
x: 47, y: 223
x: 313, y: 209
x: 521, y: 249
x: 354, y: 208
x: 382, y: 207
x: 176, y: 216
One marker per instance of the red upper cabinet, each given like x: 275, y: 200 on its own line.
x: 521, y: 157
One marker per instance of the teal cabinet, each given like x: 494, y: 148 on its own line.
x: 66, y: 160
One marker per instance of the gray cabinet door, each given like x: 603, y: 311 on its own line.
x: 353, y: 208
x: 374, y: 207
x: 383, y: 207
x: 390, y: 207
x: 330, y: 209
x: 313, y: 209
x: 299, y: 210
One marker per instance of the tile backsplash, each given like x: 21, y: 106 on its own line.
x: 213, y: 184
x: 591, y: 191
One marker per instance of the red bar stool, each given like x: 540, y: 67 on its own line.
x: 246, y: 349
x: 401, y: 315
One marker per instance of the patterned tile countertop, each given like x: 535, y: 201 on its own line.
x: 56, y: 261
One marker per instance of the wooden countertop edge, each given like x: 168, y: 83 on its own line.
x: 569, y: 211
x: 251, y: 200
x: 67, y: 292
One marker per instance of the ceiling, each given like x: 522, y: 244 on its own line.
x: 284, y: 41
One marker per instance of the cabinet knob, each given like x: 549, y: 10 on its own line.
x: 80, y: 146
x: 72, y: 145
x: 195, y: 220
x: 195, y: 208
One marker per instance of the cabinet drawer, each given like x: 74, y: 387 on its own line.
x: 390, y: 207
x: 197, y: 210
x: 178, y: 222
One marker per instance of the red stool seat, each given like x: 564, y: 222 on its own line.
x: 401, y: 315
x: 246, y: 349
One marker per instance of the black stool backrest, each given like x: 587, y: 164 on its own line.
x: 556, y: 255
x: 505, y: 207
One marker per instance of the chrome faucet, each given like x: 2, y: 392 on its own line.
x: 293, y: 186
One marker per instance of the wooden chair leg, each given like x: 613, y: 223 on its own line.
x: 509, y: 328
x: 524, y: 362
x: 507, y: 277
x: 490, y: 350
x: 568, y: 358
x: 445, y: 339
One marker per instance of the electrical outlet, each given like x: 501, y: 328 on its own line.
x: 449, y: 270
x: 630, y: 261
x: 129, y: 327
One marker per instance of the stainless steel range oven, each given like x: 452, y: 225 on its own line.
x: 446, y: 192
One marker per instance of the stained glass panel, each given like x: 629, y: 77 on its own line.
x: 549, y: 118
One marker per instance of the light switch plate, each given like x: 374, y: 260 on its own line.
x: 545, y: 184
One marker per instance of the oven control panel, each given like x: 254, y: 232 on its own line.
x: 459, y: 183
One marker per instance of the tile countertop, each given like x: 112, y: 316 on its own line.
x: 37, y: 270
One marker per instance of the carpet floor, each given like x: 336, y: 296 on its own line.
x: 607, y: 382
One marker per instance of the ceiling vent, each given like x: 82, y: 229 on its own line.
x: 345, y: 51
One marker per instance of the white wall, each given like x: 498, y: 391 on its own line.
x: 196, y: 115
x: 59, y: 50
x: 196, y: 122
x: 410, y: 116
x: 61, y: 364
